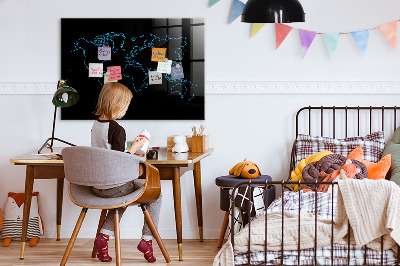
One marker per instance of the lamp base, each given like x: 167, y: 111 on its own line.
x: 50, y: 146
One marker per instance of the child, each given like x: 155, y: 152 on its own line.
x: 113, y: 103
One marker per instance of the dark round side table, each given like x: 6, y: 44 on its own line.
x: 228, y: 182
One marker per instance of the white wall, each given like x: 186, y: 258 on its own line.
x: 259, y: 127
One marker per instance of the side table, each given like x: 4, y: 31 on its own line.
x: 226, y: 183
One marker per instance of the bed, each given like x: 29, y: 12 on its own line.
x: 306, y: 228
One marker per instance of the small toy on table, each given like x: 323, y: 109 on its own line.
x: 180, y: 144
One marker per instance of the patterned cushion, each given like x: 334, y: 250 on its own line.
x: 372, y: 144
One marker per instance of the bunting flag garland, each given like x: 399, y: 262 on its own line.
x: 237, y: 9
x: 332, y: 41
x: 213, y: 2
x: 306, y: 39
x: 389, y: 30
x: 361, y: 38
x: 281, y: 31
x: 256, y: 28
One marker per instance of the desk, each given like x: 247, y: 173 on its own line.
x: 40, y: 167
x: 170, y: 165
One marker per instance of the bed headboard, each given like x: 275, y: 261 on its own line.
x: 375, y: 114
x: 344, y: 121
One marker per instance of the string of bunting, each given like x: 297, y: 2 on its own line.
x: 361, y: 37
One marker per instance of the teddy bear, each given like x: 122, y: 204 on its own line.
x: 13, y: 215
x: 245, y: 169
x: 180, y: 144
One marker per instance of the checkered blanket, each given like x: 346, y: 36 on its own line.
x: 324, y: 257
x: 324, y: 206
x: 372, y: 145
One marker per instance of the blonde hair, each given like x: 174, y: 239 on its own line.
x: 113, y: 98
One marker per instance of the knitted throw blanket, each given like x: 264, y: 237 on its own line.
x: 274, y: 235
x: 373, y: 209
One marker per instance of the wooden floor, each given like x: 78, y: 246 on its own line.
x: 50, y: 252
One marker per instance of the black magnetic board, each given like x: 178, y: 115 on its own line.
x: 131, y: 42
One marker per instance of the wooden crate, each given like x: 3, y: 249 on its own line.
x: 171, y: 143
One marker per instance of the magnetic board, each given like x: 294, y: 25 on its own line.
x: 162, y: 89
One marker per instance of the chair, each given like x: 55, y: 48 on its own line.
x: 85, y: 167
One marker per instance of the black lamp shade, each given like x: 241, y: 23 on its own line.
x: 65, y: 96
x: 273, y: 11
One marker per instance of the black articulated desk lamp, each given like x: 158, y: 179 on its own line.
x: 273, y: 11
x: 65, y: 96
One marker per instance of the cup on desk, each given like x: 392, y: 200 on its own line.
x: 152, y: 155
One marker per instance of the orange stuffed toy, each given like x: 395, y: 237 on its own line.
x: 245, y: 169
x: 12, y: 224
x: 375, y: 170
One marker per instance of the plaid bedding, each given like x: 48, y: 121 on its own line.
x: 372, y: 145
x: 324, y: 257
x: 323, y: 207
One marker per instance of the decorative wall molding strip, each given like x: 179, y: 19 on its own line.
x: 249, y: 87
x: 28, y: 88
x: 303, y: 87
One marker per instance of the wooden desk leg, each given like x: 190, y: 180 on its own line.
x: 176, y: 182
x: 199, y: 204
x: 60, y: 190
x: 27, y: 206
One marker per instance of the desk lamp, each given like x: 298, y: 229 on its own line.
x: 65, y: 96
x: 273, y: 11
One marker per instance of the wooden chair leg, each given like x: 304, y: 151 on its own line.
x: 73, y: 237
x: 117, y: 238
x: 223, y: 229
x: 101, y: 222
x: 154, y: 230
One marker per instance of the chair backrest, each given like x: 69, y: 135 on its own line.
x: 92, y: 166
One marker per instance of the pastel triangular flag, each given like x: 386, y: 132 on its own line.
x: 256, y: 28
x: 281, y: 31
x: 389, y: 30
x: 306, y: 39
x: 213, y: 2
x: 361, y: 37
x: 332, y: 41
x: 237, y: 9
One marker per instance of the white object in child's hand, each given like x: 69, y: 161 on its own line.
x: 180, y: 144
x: 144, y: 134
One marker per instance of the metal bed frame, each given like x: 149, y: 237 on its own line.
x: 284, y: 183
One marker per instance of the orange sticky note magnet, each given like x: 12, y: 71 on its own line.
x: 158, y: 54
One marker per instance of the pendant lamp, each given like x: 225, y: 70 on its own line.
x: 273, y: 11
x: 64, y: 96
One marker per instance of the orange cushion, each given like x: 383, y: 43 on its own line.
x: 375, y: 170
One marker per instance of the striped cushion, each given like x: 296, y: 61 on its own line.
x: 372, y: 145
x: 13, y: 228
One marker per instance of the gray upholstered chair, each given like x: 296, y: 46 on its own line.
x: 85, y: 167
